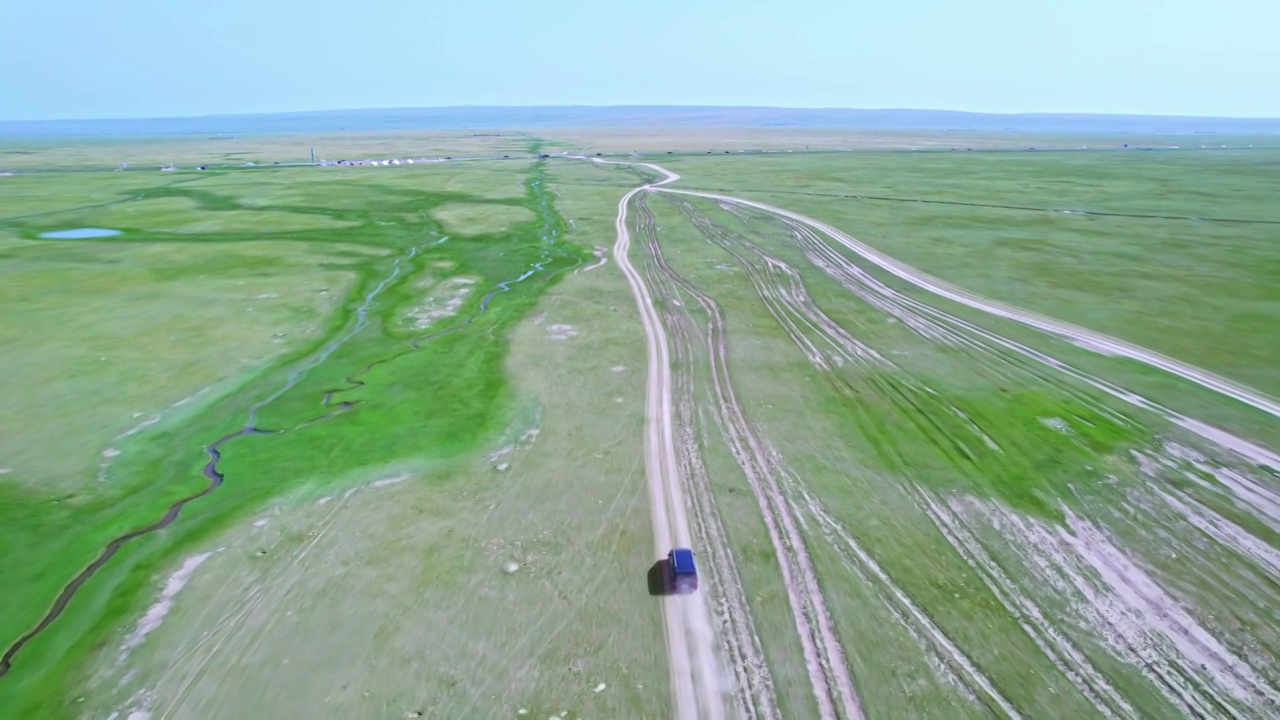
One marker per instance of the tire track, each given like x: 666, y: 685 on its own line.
x: 694, y: 682
x: 960, y: 668
x: 1081, y: 337
x: 1052, y: 643
x: 917, y: 405
x: 1068, y: 658
x: 796, y: 499
x: 933, y: 323
x: 1138, y: 620
x: 784, y: 292
x: 754, y: 693
x: 828, y: 671
x: 1173, y: 677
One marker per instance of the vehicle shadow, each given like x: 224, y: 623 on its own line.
x: 658, y: 579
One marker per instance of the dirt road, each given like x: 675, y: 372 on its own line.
x: 1084, y: 338
x: 691, y: 651
x: 691, y: 644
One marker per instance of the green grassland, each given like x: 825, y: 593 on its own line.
x: 392, y: 599
x: 841, y: 448
x: 275, y: 314
x: 654, y: 142
x: 122, y: 331
x: 478, y: 219
x: 260, y: 149
x: 1199, y: 290
x: 353, y: 559
x: 867, y: 440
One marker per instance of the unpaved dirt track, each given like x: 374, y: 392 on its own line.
x: 827, y: 346
x: 753, y: 691
x: 1087, y: 339
x: 829, y: 673
x: 691, y: 653
x: 1081, y: 337
x: 783, y: 291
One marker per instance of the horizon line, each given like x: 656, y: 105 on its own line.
x: 975, y: 113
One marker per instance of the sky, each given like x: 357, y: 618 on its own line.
x: 162, y: 58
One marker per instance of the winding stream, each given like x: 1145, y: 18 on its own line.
x: 69, y: 590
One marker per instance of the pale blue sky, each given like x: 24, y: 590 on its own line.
x: 146, y: 58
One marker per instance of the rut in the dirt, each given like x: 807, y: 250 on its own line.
x: 829, y: 674
x: 1079, y: 336
x: 754, y: 696
x: 1179, y: 655
x: 950, y: 659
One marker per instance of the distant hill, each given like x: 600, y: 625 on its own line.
x: 476, y: 118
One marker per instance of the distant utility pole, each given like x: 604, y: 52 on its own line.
x: 313, y: 156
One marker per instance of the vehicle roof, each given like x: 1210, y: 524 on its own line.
x: 682, y: 561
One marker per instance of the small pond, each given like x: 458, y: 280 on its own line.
x: 79, y: 233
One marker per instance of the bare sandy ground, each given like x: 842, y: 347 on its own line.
x: 1189, y: 657
x: 599, y: 252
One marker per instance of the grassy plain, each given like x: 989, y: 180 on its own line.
x: 354, y: 563
x: 477, y: 219
x: 828, y: 449
x: 655, y: 143
x: 998, y: 224
x: 889, y: 458
x: 162, y: 325
x: 385, y: 593
x: 260, y: 149
x: 274, y: 324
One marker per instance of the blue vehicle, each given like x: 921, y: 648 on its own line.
x: 684, y: 573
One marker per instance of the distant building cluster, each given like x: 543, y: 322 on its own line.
x: 387, y: 161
